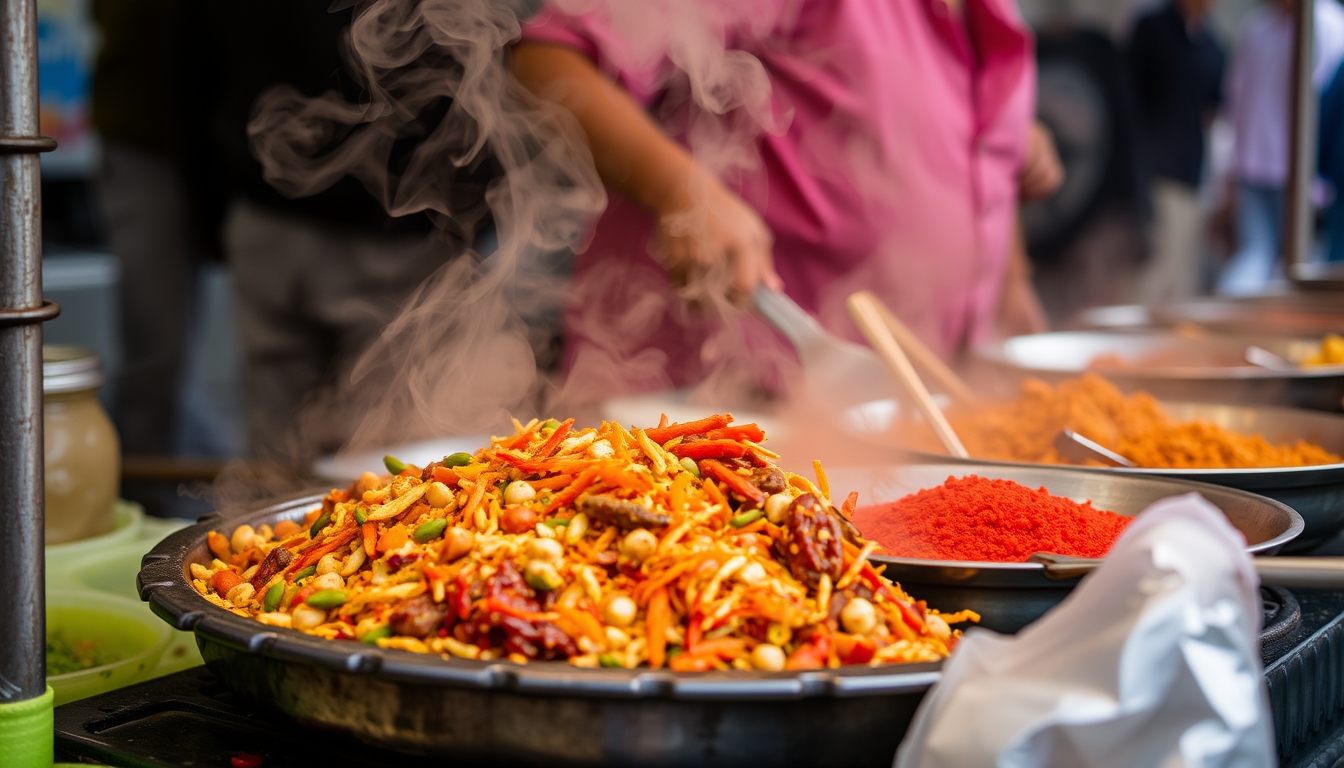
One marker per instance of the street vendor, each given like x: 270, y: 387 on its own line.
x: 905, y: 137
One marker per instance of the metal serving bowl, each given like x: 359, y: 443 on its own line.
x: 1175, y: 367
x: 543, y: 712
x: 1292, y: 315
x: 1316, y: 492
x: 1008, y: 596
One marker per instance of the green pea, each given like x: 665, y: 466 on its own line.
x: 274, y: 595
x: 305, y: 573
x: 690, y: 466
x: 327, y: 598
x: 319, y: 524
x: 374, y: 635
x: 550, y: 424
x: 361, y: 516
x: 429, y: 531
x: 458, y: 459
x: 747, y: 518
x: 556, y: 522
x: 394, y: 465
x: 610, y: 660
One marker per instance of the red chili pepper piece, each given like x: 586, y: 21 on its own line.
x: 709, y: 449
x: 735, y: 482
x: 661, y: 435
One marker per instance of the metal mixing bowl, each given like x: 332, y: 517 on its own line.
x: 1316, y: 493
x: 1291, y: 315
x: 1008, y: 596
x: 543, y: 712
x: 1174, y: 367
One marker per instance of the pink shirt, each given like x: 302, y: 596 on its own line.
x: 896, y: 172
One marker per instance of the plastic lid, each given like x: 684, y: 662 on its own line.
x: 70, y: 369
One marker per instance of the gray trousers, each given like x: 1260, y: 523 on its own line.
x: 310, y: 296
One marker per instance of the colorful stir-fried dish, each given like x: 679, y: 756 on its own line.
x: 682, y: 546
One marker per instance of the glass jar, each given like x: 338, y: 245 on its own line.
x: 83, y: 455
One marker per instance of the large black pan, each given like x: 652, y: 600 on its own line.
x: 541, y: 712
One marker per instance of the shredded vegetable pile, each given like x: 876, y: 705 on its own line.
x: 681, y: 546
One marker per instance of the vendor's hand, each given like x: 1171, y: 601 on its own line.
x: 715, y: 245
x: 1042, y: 173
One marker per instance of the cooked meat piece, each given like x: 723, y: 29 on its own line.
x: 275, y: 562
x: 814, y: 547
x: 622, y: 513
x: 770, y: 480
x: 419, y: 617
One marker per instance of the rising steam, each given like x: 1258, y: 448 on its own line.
x: 457, y: 360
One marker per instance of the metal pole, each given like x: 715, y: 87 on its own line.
x: 1298, y: 212
x: 22, y: 608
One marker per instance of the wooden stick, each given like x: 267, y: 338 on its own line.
x: 867, y: 315
x: 934, y: 367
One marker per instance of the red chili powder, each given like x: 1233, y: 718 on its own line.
x: 975, y: 518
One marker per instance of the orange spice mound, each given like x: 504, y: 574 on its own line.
x: 1135, y: 426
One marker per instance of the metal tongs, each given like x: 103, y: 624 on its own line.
x: 1294, y: 572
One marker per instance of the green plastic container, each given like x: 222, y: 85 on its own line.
x: 119, y: 625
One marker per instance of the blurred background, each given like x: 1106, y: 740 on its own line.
x: 1170, y: 119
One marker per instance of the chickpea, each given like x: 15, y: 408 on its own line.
x: 620, y: 611
x: 307, y: 617
x: 367, y: 482
x: 330, y: 580
x: 777, y: 508
x: 240, y: 594
x: 519, y: 492
x: 858, y: 616
x: 243, y: 538
x: 546, y: 550
x: 938, y: 626
x: 438, y: 495
x: 639, y: 544
x: 767, y: 657
x: 329, y: 563
x: 459, y: 541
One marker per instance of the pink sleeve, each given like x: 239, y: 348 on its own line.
x: 592, y: 35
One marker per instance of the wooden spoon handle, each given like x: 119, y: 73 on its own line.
x: 864, y: 310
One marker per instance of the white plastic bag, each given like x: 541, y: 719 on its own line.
x: 1152, y: 661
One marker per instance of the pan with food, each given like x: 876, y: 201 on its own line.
x: 658, y: 596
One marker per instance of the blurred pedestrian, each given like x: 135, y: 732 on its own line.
x: 1177, y: 65
x: 1258, y: 96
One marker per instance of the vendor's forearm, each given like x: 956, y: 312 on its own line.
x: 632, y: 154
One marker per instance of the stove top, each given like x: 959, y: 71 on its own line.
x: 190, y: 719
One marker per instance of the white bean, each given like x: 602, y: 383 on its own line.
x: 307, y: 617
x: 519, y: 492
x: 243, y: 537
x: 353, y: 562
x: 329, y: 563
x: 438, y: 495
x: 578, y: 525
x: 767, y: 657
x: 858, y: 616
x: 777, y: 508
x: 620, y: 611
x: 331, y: 580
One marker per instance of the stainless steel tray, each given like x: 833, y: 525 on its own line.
x: 1009, y: 596
x: 1316, y: 493
x: 1293, y: 315
x: 1173, y: 366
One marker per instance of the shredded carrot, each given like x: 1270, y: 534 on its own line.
x: 446, y: 476
x: 734, y: 482
x: 370, y: 532
x: 709, y: 449
x: 662, y: 434
x: 571, y: 493
x: 740, y: 432
x: 657, y: 619
x: 547, y: 448
x: 823, y: 484
x: 551, y: 483
x: 332, y: 544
